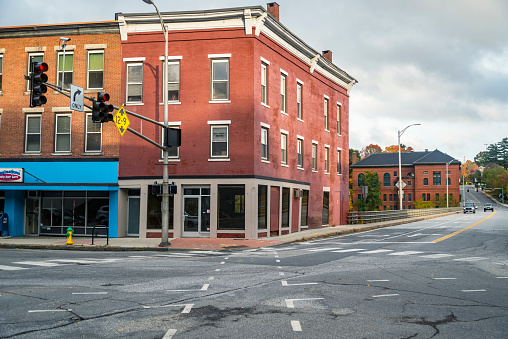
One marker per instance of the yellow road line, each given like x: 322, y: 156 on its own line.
x: 464, y: 229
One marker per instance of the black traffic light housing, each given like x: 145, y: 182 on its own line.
x: 101, y: 109
x: 172, y: 137
x: 37, y: 83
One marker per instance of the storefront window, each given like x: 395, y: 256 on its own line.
x: 262, y: 206
x: 305, y: 208
x: 326, y: 207
x: 231, y: 207
x: 154, y: 211
x: 285, y: 206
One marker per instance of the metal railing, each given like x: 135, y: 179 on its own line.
x: 95, y: 232
x: 367, y: 217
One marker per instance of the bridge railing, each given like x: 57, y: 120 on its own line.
x: 367, y: 217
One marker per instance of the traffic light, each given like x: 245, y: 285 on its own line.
x: 37, y: 86
x: 101, y: 109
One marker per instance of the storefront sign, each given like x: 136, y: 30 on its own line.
x: 11, y: 175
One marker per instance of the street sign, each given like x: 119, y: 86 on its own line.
x: 121, y: 121
x: 77, y: 98
x: 400, y: 183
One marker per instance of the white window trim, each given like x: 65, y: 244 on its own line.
x: 58, y: 75
x: 30, y: 54
x: 27, y: 117
x: 264, y: 125
x: 327, y: 158
x: 299, y: 84
x: 220, y: 157
x: 174, y: 60
x: 219, y: 122
x: 265, y: 61
x: 219, y: 58
x: 127, y: 65
x: 284, y: 91
x: 326, y: 113
x: 138, y: 59
x: 299, y: 138
x: 86, y: 134
x: 339, y: 159
x: 264, y: 68
x: 339, y: 118
x: 94, y: 51
x: 285, y: 133
x: 267, y: 128
x: 284, y: 72
x: 171, y: 57
x: 314, y: 147
x: 2, y: 70
x: 56, y: 132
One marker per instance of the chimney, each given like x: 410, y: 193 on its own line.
x: 328, y: 54
x: 353, y: 158
x: 273, y: 9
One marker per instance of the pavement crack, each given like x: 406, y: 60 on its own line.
x: 434, y: 324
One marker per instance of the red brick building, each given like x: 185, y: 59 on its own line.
x: 68, y: 163
x: 264, y: 120
x: 425, y: 175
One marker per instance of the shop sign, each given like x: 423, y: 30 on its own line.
x: 11, y: 175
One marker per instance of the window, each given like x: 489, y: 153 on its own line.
x: 219, y: 141
x: 391, y: 197
x: 423, y: 196
x: 299, y: 107
x: 33, y: 134
x: 386, y: 180
x: 326, y: 207
x: 314, y: 157
x: 1, y: 70
x: 395, y: 174
x: 264, y: 143
x: 437, y: 197
x: 448, y: 180
x: 361, y: 180
x: 262, y: 206
x: 436, y: 178
x: 409, y: 197
x: 66, y: 69
x: 63, y: 133
x: 384, y: 197
x: 339, y: 171
x: 231, y: 207
x: 327, y: 159
x: 305, y: 208
x: 283, y: 148
x: 425, y: 172
x: 93, y: 135
x: 326, y: 114
x: 428, y: 196
x: 409, y: 183
x: 173, y: 151
x: 286, y: 195
x: 264, y: 83
x: 134, y: 82
x: 220, y: 79
x: 425, y: 182
x: 338, y: 119
x: 299, y: 153
x: 33, y: 57
x: 95, y: 69
x: 283, y: 81
x: 173, y: 81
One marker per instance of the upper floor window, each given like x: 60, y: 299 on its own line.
x: 264, y: 83
x: 448, y: 180
x: 134, y: 82
x: 327, y: 159
x: 65, y: 70
x: 339, y: 171
x: 219, y: 137
x: 95, y: 75
x: 220, y: 79
x: 339, y: 107
x: 283, y: 88
x: 425, y: 182
x: 436, y: 178
x: 284, y: 148
x: 33, y: 133
x: 264, y: 143
x: 425, y: 172
x: 386, y: 180
x: 314, y: 156
x: 33, y: 57
x: 93, y: 138
x: 173, y: 81
x: 1, y: 70
x: 326, y: 113
x: 299, y: 154
x: 299, y: 108
x: 63, y: 133
x: 361, y: 180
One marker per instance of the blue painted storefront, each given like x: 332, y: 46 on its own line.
x: 73, y: 175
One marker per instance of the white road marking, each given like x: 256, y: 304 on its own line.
x: 501, y: 277
x: 378, y: 280
x: 217, y: 270
x: 375, y: 251
x: 77, y: 261
x: 38, y: 263
x: 89, y: 292
x: 41, y: 311
x: 211, y: 278
x: 285, y: 283
x: 444, y: 278
x: 277, y: 260
x: 323, y: 249
x: 204, y: 288
x: 436, y: 256
x: 405, y: 253
x: 169, y: 334
x: 281, y: 273
x: 187, y: 307
x: 467, y: 291
x: 384, y: 295
x: 222, y: 262
x: 290, y: 303
x: 350, y: 250
x: 296, y: 325
x: 226, y: 258
x: 470, y: 259
x: 12, y: 268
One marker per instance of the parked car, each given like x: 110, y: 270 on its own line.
x: 469, y: 207
x: 487, y: 207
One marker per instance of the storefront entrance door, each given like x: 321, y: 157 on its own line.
x: 32, y: 208
x: 196, y: 212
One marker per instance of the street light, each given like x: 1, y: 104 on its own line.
x: 165, y: 161
x: 400, y: 165
x: 63, y: 44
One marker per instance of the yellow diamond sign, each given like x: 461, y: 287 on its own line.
x: 121, y: 120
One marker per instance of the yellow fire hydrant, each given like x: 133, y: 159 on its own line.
x: 69, y: 236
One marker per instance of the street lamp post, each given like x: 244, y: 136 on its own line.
x: 63, y: 44
x: 400, y: 164
x: 165, y: 162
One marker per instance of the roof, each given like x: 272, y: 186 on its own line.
x: 435, y: 157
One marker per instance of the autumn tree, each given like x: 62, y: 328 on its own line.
x: 370, y: 149
x: 395, y: 149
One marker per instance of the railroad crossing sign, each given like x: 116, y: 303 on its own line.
x: 121, y: 121
x: 399, y: 183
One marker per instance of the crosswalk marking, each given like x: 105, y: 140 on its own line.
x: 38, y: 263
x: 405, y: 253
x: 376, y: 251
x: 322, y: 249
x: 436, y: 256
x: 11, y: 268
x: 470, y: 259
x: 350, y: 250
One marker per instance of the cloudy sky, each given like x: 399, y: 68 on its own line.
x: 441, y: 63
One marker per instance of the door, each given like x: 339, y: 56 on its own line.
x: 196, y: 212
x: 32, y: 208
x: 191, y: 215
x: 133, y: 216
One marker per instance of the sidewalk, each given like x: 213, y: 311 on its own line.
x: 183, y: 244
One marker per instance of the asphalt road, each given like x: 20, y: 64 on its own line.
x: 439, y: 278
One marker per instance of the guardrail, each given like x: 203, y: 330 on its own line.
x: 367, y: 217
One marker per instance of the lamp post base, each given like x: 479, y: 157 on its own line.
x: 165, y: 244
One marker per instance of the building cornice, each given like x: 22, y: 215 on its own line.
x: 83, y: 28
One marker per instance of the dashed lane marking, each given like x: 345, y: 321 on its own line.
x: 11, y: 268
x: 169, y: 334
x: 350, y: 250
x: 378, y: 280
x: 376, y: 251
x: 436, y: 256
x: 469, y: 291
x: 38, y: 263
x: 405, y: 253
x: 444, y: 278
x: 470, y: 259
x: 295, y: 324
x: 464, y: 229
x: 285, y: 283
x: 384, y: 295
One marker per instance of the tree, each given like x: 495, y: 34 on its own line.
x: 395, y: 149
x: 373, y: 200
x: 370, y: 149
